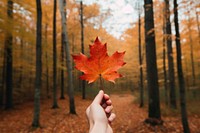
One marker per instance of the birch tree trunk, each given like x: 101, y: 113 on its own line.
x: 62, y: 6
x: 172, y: 90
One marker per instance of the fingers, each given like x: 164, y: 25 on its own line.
x: 106, y: 103
x: 108, y: 109
x: 111, y: 117
x: 106, y: 97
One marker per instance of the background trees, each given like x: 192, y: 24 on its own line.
x: 18, y: 38
x: 38, y: 81
x: 152, y: 75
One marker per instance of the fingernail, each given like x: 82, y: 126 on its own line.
x: 101, y: 91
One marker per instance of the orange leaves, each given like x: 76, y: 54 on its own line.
x: 99, y: 64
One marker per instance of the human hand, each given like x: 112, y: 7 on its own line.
x: 100, y: 115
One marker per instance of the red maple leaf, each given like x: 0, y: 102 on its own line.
x: 99, y: 64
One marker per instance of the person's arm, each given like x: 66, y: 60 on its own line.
x: 100, y: 114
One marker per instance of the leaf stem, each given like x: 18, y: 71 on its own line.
x: 101, y: 86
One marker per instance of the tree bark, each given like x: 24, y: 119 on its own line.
x: 36, y: 117
x: 140, y: 62
x: 62, y: 5
x: 3, y: 78
x: 172, y: 93
x: 82, y: 45
x: 197, y: 18
x: 55, y: 104
x: 191, y: 51
x: 62, y: 70
x: 164, y: 56
x: 180, y: 72
x: 21, y: 65
x: 9, y: 58
x: 47, y: 67
x: 152, y: 74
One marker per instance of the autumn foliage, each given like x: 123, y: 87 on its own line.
x: 99, y: 64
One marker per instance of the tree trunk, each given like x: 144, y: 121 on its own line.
x: 172, y: 93
x: 180, y: 72
x: 191, y: 51
x: 3, y: 78
x: 9, y: 62
x: 21, y: 67
x: 62, y: 5
x: 36, y: 117
x: 47, y: 67
x: 82, y: 45
x: 62, y: 70
x: 140, y: 62
x: 152, y: 74
x: 55, y: 105
x: 197, y: 18
x: 164, y: 56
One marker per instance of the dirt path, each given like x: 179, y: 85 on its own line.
x: 128, y: 114
x: 130, y: 118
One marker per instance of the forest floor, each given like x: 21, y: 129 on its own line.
x: 130, y: 118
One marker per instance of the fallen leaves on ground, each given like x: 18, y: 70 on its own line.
x: 130, y: 118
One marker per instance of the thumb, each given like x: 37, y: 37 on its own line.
x: 99, y: 97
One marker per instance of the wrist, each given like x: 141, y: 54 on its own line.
x: 99, y: 127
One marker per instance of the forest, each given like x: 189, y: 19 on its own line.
x: 157, y: 90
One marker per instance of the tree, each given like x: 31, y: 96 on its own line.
x: 3, y: 79
x: 36, y: 117
x: 9, y: 57
x: 62, y: 62
x: 62, y: 70
x: 191, y: 50
x: 62, y: 5
x: 197, y: 19
x: 140, y: 57
x: 55, y: 105
x: 46, y: 59
x: 180, y: 72
x: 82, y: 44
x: 172, y: 93
x: 152, y: 75
x: 164, y: 56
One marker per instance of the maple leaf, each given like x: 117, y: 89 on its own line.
x: 99, y: 64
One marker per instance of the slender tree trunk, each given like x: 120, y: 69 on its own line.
x: 152, y: 74
x: 197, y: 18
x: 21, y: 67
x: 55, y: 105
x: 164, y: 56
x: 62, y: 5
x: 9, y: 62
x: 38, y: 81
x: 172, y: 93
x: 191, y: 51
x: 3, y: 78
x: 180, y: 72
x: 140, y: 62
x: 47, y: 66
x: 82, y: 45
x: 62, y: 70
